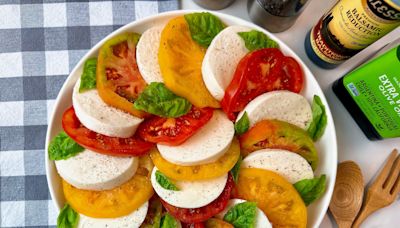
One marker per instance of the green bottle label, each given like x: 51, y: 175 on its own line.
x: 375, y: 87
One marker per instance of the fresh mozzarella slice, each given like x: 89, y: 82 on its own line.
x: 205, y: 146
x: 221, y: 59
x: 134, y: 219
x: 101, y: 118
x: 147, y: 54
x: 191, y: 194
x: 281, y: 105
x: 288, y: 164
x: 261, y: 219
x: 94, y: 171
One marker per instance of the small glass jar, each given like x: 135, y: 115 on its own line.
x: 275, y: 15
x: 213, y: 4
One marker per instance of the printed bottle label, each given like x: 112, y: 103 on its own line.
x: 375, y: 87
x: 352, y: 25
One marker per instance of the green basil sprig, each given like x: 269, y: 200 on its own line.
x: 311, y: 189
x: 243, y: 124
x: 165, y: 182
x: 242, y: 214
x: 204, y: 27
x: 63, y: 147
x: 255, y: 40
x: 88, y: 77
x: 157, y: 99
x: 318, y: 124
x: 68, y: 218
x: 167, y: 221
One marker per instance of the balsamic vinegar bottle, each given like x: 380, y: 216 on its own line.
x: 349, y: 27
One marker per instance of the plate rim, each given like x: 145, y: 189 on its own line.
x: 146, y: 20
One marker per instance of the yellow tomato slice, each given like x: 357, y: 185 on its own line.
x: 180, y: 60
x: 198, y: 172
x: 113, y: 203
x: 276, y: 197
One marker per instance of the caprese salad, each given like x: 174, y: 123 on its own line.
x: 191, y: 124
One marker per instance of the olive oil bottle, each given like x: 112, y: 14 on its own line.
x: 371, y: 94
x: 349, y: 27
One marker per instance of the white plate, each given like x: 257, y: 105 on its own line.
x: 326, y: 146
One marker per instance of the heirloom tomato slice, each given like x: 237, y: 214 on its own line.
x: 258, y: 72
x: 174, y: 131
x: 198, y: 172
x: 117, y: 75
x: 112, y: 203
x: 275, y: 196
x: 276, y: 134
x: 133, y: 146
x: 196, y: 215
x: 180, y: 59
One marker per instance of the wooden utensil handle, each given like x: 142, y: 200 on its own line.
x: 366, y: 210
x: 344, y: 224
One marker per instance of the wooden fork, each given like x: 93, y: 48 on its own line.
x: 384, y: 189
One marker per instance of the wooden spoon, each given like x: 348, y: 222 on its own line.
x: 348, y: 194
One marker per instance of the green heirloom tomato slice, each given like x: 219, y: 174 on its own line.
x: 277, y: 134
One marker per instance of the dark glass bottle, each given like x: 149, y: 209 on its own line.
x: 349, y: 27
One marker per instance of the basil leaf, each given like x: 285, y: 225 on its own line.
x: 68, y: 218
x: 242, y: 215
x: 158, y: 100
x: 63, y: 147
x: 167, y: 221
x: 318, y: 124
x: 243, y: 124
x: 255, y: 40
x: 236, y: 168
x: 204, y: 27
x: 311, y: 189
x: 88, y: 77
x: 165, y: 182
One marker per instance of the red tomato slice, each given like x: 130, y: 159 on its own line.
x: 196, y: 215
x: 258, y: 72
x: 133, y: 146
x: 174, y: 131
x: 193, y: 225
x: 291, y: 76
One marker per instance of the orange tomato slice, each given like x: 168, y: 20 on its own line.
x: 198, y: 172
x: 113, y: 203
x: 180, y: 60
x: 118, y: 79
x: 275, y: 196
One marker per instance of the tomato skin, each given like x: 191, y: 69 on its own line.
x: 112, y: 203
x: 274, y: 195
x: 118, y: 79
x: 180, y: 59
x: 174, y: 131
x: 275, y: 134
x: 193, y: 225
x: 196, y: 215
x: 258, y: 72
x: 291, y: 67
x: 198, y: 172
x: 132, y: 146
